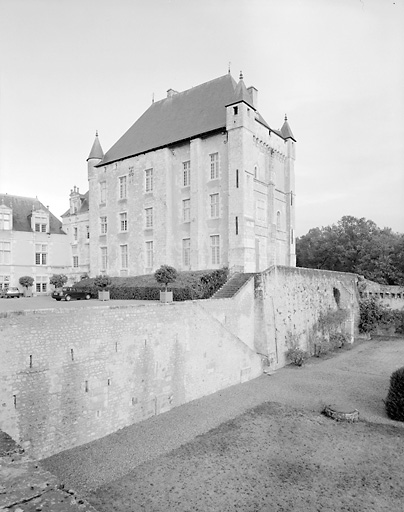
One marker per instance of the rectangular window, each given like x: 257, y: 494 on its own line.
x: 123, y: 187
x: 215, y: 249
x: 214, y: 166
x: 261, y: 210
x: 149, y: 255
x: 75, y: 261
x: 41, y: 251
x: 5, y: 253
x: 103, y: 192
x: 123, y: 221
x: 103, y: 225
x: 4, y: 282
x: 186, y: 210
x: 292, y: 236
x: 149, y: 217
x: 41, y: 284
x: 237, y: 178
x: 236, y: 225
x: 124, y: 256
x: 148, y: 180
x: 43, y: 228
x: 186, y: 252
x: 104, y: 258
x: 214, y: 206
x: 87, y: 232
x: 37, y: 227
x: 186, y: 173
x: 5, y: 220
x: 75, y: 234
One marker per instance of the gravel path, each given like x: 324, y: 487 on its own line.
x: 357, y: 378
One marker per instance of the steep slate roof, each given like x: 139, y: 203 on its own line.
x: 22, y: 209
x: 182, y: 116
x: 286, y: 132
x: 96, y: 150
x: 84, y: 205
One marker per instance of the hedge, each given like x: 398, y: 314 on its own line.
x: 395, y: 399
x: 188, y: 286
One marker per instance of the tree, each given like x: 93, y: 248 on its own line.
x: 26, y: 281
x: 102, y: 281
x: 58, y: 280
x: 357, y: 246
x: 165, y: 275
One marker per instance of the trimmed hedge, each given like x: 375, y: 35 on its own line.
x: 200, y: 284
x: 395, y: 398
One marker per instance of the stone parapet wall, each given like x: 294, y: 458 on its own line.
x: 69, y: 376
x: 289, y: 302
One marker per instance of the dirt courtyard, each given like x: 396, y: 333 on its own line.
x: 262, y: 445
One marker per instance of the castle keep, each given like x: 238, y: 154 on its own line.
x: 199, y: 181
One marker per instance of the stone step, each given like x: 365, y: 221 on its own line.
x: 232, y: 286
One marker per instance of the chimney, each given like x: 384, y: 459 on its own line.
x: 171, y: 93
x: 254, y: 95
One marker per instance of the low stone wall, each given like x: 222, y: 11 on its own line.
x: 289, y: 302
x: 69, y: 376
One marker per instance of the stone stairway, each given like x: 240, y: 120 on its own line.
x: 232, y: 286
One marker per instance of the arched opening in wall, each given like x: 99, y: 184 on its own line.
x: 337, y: 296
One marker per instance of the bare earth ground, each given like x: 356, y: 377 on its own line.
x: 261, y: 445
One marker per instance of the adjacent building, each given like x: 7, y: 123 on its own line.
x: 199, y: 181
x: 32, y: 242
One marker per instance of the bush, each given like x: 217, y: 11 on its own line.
x: 338, y: 339
x: 58, y: 280
x: 26, y: 281
x: 165, y: 275
x: 297, y: 356
x: 395, y: 398
x: 102, y: 282
x: 373, y: 314
x: 191, y: 285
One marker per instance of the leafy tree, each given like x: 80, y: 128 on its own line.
x: 26, y: 281
x: 165, y: 275
x: 102, y: 281
x: 58, y: 280
x: 354, y: 245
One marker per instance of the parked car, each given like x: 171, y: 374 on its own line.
x: 11, y: 292
x: 69, y: 293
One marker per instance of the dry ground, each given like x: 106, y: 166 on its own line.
x: 268, y: 447
x: 273, y: 458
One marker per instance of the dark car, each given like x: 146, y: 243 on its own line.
x: 11, y: 292
x: 71, y: 293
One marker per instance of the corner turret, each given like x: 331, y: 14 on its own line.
x: 95, y: 156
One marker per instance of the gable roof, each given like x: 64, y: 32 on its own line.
x: 22, y: 208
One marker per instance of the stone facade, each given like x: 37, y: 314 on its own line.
x: 209, y: 193
x: 32, y: 242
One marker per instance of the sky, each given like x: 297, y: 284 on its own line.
x: 335, y: 67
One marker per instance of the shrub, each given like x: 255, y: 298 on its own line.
x: 165, y: 275
x: 212, y: 281
x: 102, y: 282
x: 373, y: 314
x: 297, y: 356
x: 338, y: 339
x: 395, y: 398
x: 26, y: 281
x: 58, y: 280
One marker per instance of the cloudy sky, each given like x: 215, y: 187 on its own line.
x: 336, y: 67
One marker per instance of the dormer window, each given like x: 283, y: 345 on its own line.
x: 5, y: 218
x: 40, y: 221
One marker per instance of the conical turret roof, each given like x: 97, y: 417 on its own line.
x: 96, y: 151
x: 286, y: 130
x: 241, y: 94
